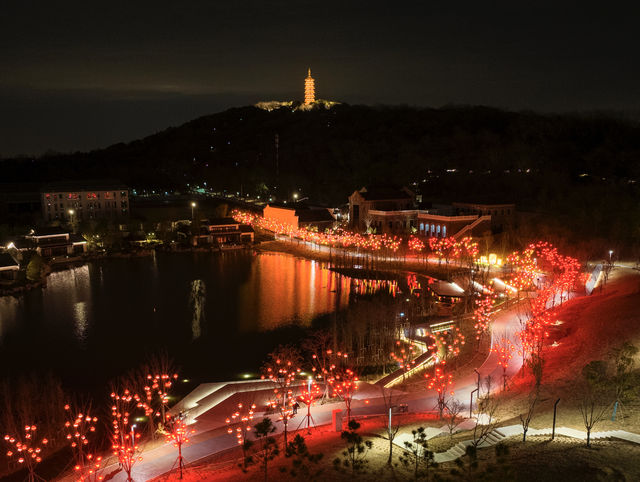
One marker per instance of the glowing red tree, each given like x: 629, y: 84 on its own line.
x: 443, y: 248
x: 416, y: 245
x: 318, y: 346
x: 178, y: 434
x: 123, y: 435
x: 242, y: 418
x: 281, y: 368
x: 440, y: 382
x: 26, y: 450
x: 157, y: 394
x: 561, y: 272
x: 404, y: 355
x: 343, y: 380
x: 448, y: 343
x: 504, y: 349
x: 482, y: 314
x: 308, y: 396
x: 78, y: 427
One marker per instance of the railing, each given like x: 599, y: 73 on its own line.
x: 396, y: 377
x: 472, y: 225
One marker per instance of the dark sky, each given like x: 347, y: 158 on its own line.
x: 77, y: 75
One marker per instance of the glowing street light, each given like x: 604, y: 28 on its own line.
x: 193, y: 206
x: 295, y: 196
x: 610, y: 253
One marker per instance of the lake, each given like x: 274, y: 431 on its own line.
x: 216, y: 314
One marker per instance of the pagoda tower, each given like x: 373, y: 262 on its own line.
x: 309, y: 89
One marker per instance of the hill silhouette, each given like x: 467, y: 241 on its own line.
x: 586, y: 167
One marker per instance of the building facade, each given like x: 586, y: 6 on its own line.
x: 298, y: 216
x: 368, y: 199
x: 428, y: 224
x: 71, y: 202
x: 49, y: 243
x: 224, y: 231
x: 502, y: 215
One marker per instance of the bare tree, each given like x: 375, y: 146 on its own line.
x: 623, y: 372
x: 32, y: 400
x: 391, y: 400
x: 593, y: 412
x: 453, y: 419
x: 594, y: 402
x: 486, y: 421
x: 536, y: 365
x: 525, y: 418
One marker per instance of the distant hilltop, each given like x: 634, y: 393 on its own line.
x: 270, y: 105
x: 310, y: 101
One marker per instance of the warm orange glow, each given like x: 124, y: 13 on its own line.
x: 309, y: 89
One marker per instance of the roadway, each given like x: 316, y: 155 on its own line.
x: 367, y: 401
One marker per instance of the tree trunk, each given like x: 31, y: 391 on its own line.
x: 588, y: 438
x: 285, y: 421
x: 524, y: 434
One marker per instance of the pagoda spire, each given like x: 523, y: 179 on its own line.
x: 309, y: 89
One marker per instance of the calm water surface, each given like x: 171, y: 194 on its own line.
x: 217, y: 315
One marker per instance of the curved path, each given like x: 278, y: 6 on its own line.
x: 368, y: 401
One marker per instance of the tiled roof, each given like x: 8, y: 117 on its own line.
x: 314, y: 215
x: 383, y: 193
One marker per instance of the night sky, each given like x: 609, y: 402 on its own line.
x: 78, y: 75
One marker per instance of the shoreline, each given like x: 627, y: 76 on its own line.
x: 18, y: 289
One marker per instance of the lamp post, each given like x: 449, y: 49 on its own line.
x: 193, y: 206
x: 475, y: 390
x: 610, y: 254
x: 71, y: 213
x: 295, y: 197
x: 478, y: 381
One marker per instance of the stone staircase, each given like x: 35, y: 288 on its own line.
x: 497, y: 435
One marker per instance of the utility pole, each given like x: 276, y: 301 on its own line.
x: 553, y: 430
x: 471, y: 402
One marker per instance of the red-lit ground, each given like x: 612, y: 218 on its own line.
x: 591, y: 327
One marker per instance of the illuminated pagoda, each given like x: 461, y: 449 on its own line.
x: 309, y: 89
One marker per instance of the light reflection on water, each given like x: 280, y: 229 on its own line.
x: 112, y: 312
x: 80, y: 319
x: 285, y: 288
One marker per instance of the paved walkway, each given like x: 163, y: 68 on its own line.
x: 212, y: 438
x: 501, y: 433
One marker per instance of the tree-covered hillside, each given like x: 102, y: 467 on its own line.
x: 584, y: 167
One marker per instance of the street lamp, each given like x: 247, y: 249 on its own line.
x: 193, y: 205
x: 71, y: 213
x: 295, y: 196
x: 610, y: 253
